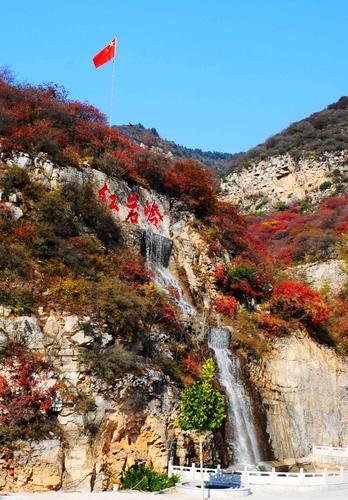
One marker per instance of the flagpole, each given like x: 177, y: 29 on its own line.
x: 112, y: 95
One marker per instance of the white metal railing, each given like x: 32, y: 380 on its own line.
x: 331, y: 451
x: 192, y: 473
x: 248, y: 477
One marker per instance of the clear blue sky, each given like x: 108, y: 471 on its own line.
x: 220, y: 75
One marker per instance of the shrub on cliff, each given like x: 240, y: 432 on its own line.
x: 27, y: 392
x: 18, y: 301
x: 120, y: 307
x: 272, y: 326
x: 294, y: 300
x: 14, y: 259
x: 108, y: 364
x: 226, y: 306
x: 193, y: 184
x: 227, y: 228
x: 90, y: 213
x: 243, y: 279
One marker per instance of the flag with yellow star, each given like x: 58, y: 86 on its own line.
x: 105, y: 54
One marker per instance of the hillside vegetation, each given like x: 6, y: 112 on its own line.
x: 66, y: 251
x: 43, y: 119
x: 324, y: 131
x: 150, y: 138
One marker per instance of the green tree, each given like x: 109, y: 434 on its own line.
x: 202, y: 408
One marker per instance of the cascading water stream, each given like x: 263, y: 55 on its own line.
x: 245, y: 445
x: 157, y: 251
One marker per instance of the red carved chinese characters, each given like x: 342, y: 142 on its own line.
x: 152, y: 213
x: 132, y: 205
x: 102, y: 192
x: 113, y: 204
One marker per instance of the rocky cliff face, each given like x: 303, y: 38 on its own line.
x: 304, y: 389
x: 303, y: 386
x: 281, y: 179
x: 131, y: 421
x: 319, y: 274
x: 104, y: 429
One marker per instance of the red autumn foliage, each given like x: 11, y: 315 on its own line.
x: 338, y: 324
x: 294, y: 300
x: 220, y: 273
x: 292, y: 236
x: 192, y: 363
x: 168, y: 317
x: 243, y: 279
x: 134, y: 271
x: 26, y: 390
x: 193, y: 184
x: 272, y: 325
x: 43, y: 119
x: 230, y: 228
x: 174, y: 293
x: 342, y: 228
x: 226, y: 306
x: 24, y: 232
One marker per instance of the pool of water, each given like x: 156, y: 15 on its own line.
x: 212, y: 490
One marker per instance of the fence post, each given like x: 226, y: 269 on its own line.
x: 218, y: 470
x: 301, y: 477
x: 273, y: 476
x: 193, y: 471
x: 341, y: 474
x: 170, y: 465
x: 326, y: 477
x: 245, y: 477
x: 313, y: 448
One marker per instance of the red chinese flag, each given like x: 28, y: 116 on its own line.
x: 106, y: 54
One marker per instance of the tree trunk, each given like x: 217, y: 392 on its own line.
x: 201, y: 463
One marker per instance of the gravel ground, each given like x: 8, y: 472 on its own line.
x: 258, y: 493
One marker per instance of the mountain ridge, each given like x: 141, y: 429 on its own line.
x: 321, y: 132
x: 150, y: 138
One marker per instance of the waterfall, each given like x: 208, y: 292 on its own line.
x: 245, y: 445
x: 157, y: 250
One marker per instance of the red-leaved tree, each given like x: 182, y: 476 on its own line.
x: 294, y: 300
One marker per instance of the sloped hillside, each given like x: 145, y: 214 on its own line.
x: 307, y: 161
x: 322, y: 132
x: 150, y: 138
x: 114, y: 263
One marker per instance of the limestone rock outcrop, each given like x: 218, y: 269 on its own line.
x: 328, y: 274
x: 128, y: 423
x: 281, y: 179
x: 304, y: 389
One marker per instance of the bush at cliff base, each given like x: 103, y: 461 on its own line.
x: 143, y: 478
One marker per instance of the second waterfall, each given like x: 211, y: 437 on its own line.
x: 157, y: 251
x: 245, y: 444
